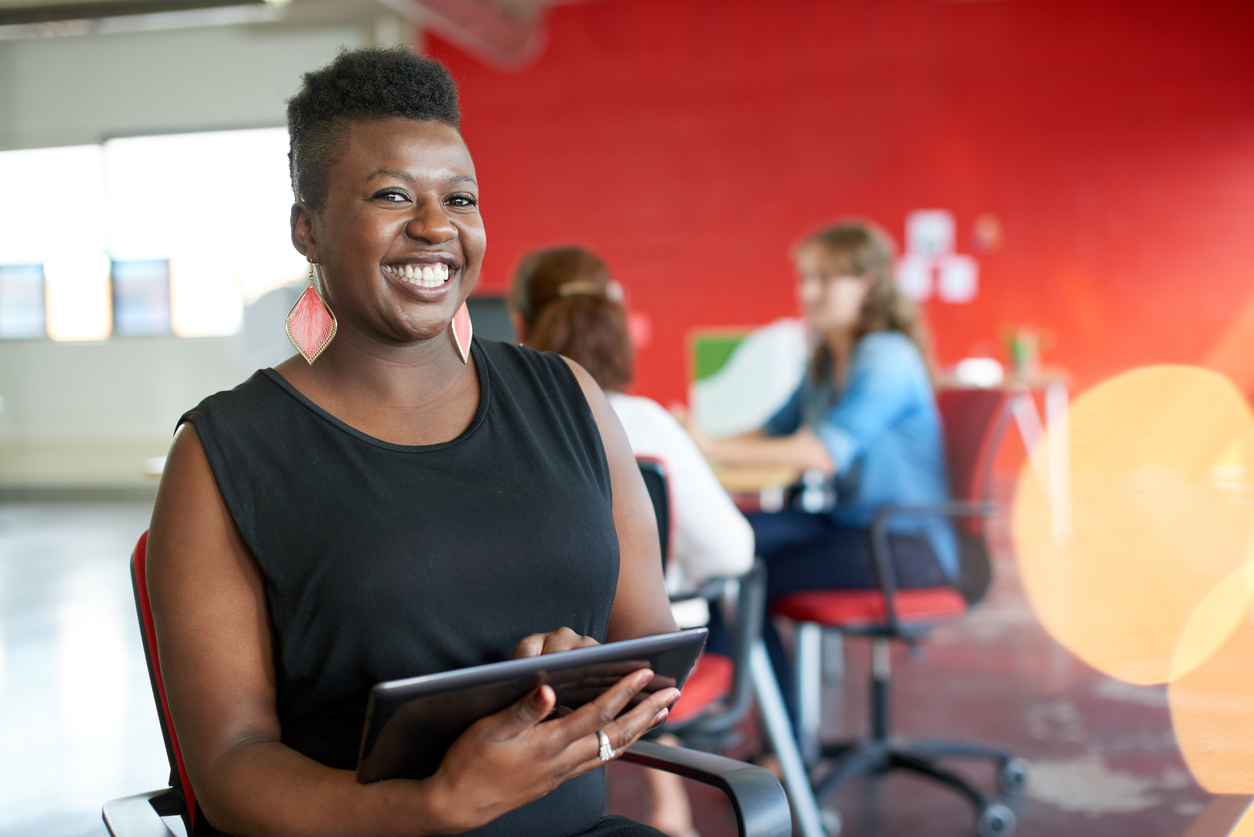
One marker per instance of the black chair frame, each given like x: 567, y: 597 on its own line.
x: 836, y: 763
x: 758, y: 801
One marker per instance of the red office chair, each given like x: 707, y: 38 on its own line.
x: 974, y: 421
x: 758, y: 801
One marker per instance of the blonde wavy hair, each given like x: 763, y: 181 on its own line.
x: 861, y: 248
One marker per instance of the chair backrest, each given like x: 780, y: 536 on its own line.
x: 750, y: 607
x: 974, y: 422
x: 148, y: 633
x: 655, y: 480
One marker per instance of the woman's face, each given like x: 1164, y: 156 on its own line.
x: 399, y: 237
x: 831, y: 300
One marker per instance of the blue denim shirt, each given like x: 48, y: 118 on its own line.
x: 883, y: 432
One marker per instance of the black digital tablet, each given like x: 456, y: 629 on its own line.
x: 411, y: 723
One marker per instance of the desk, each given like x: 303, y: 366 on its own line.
x: 1047, y: 439
x: 756, y: 487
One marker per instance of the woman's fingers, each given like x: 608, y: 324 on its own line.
x: 604, y: 714
x: 625, y: 731
x: 563, y: 639
x: 529, y: 710
x: 602, y: 711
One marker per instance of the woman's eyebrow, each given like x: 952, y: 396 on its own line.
x: 409, y: 178
x: 397, y: 173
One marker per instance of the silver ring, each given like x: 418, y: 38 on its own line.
x: 605, y: 751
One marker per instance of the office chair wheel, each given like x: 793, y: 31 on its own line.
x: 831, y: 822
x: 996, y: 820
x: 1013, y: 776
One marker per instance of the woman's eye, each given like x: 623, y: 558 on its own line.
x: 391, y: 195
x: 462, y: 200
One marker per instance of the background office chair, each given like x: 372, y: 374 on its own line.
x: 717, y: 694
x: 720, y: 691
x: 974, y: 420
x: 758, y: 801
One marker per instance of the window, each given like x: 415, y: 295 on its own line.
x: 141, y: 297
x: 22, y: 301
x: 76, y: 292
x: 194, y: 226
x: 216, y: 206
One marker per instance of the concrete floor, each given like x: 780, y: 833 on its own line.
x: 77, y: 724
x: 1104, y: 757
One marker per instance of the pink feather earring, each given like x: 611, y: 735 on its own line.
x: 311, y: 324
x: 462, y: 332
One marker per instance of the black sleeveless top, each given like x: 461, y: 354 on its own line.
x: 384, y: 561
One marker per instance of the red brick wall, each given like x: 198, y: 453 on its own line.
x: 690, y: 141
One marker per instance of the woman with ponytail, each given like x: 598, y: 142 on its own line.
x: 563, y: 300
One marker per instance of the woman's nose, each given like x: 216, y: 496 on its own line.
x: 808, y: 290
x: 431, y: 224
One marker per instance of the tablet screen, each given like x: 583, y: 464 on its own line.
x: 411, y: 723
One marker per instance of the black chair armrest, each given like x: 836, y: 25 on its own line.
x: 879, y: 543
x: 140, y: 815
x: 759, y: 802
x: 756, y: 796
x: 710, y: 588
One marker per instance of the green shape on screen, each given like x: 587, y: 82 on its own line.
x: 712, y: 351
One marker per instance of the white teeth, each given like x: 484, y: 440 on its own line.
x: 425, y: 276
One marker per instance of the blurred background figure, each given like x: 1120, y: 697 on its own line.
x: 563, y: 300
x: 865, y: 415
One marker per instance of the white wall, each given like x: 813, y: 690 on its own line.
x: 89, y: 414
x: 78, y: 90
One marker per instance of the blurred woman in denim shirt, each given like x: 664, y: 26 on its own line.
x: 865, y: 415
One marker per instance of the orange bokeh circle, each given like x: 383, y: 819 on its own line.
x: 1161, y: 511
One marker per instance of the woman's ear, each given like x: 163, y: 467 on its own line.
x: 303, y: 238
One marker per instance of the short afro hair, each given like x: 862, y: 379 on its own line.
x: 361, y: 85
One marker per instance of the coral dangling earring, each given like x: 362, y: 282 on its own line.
x: 310, y: 323
x: 462, y: 332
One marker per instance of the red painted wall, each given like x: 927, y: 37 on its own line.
x: 691, y: 141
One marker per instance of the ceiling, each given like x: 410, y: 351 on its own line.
x: 504, y: 33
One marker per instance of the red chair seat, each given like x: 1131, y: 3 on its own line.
x: 859, y: 608
x: 710, y: 680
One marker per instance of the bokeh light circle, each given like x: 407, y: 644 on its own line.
x: 1162, y: 511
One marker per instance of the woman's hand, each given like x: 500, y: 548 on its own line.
x: 700, y: 438
x: 511, y: 758
x: 563, y: 639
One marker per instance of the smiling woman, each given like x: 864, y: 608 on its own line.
x: 406, y: 501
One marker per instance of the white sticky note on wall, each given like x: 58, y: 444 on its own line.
x: 957, y: 278
x: 929, y: 232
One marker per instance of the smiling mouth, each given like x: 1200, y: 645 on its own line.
x: 422, y: 275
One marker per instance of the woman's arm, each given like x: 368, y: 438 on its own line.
x: 641, y: 606
x: 710, y: 537
x: 801, y: 450
x: 215, y: 647
x: 886, y: 377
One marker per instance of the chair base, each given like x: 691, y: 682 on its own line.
x: 869, y: 757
